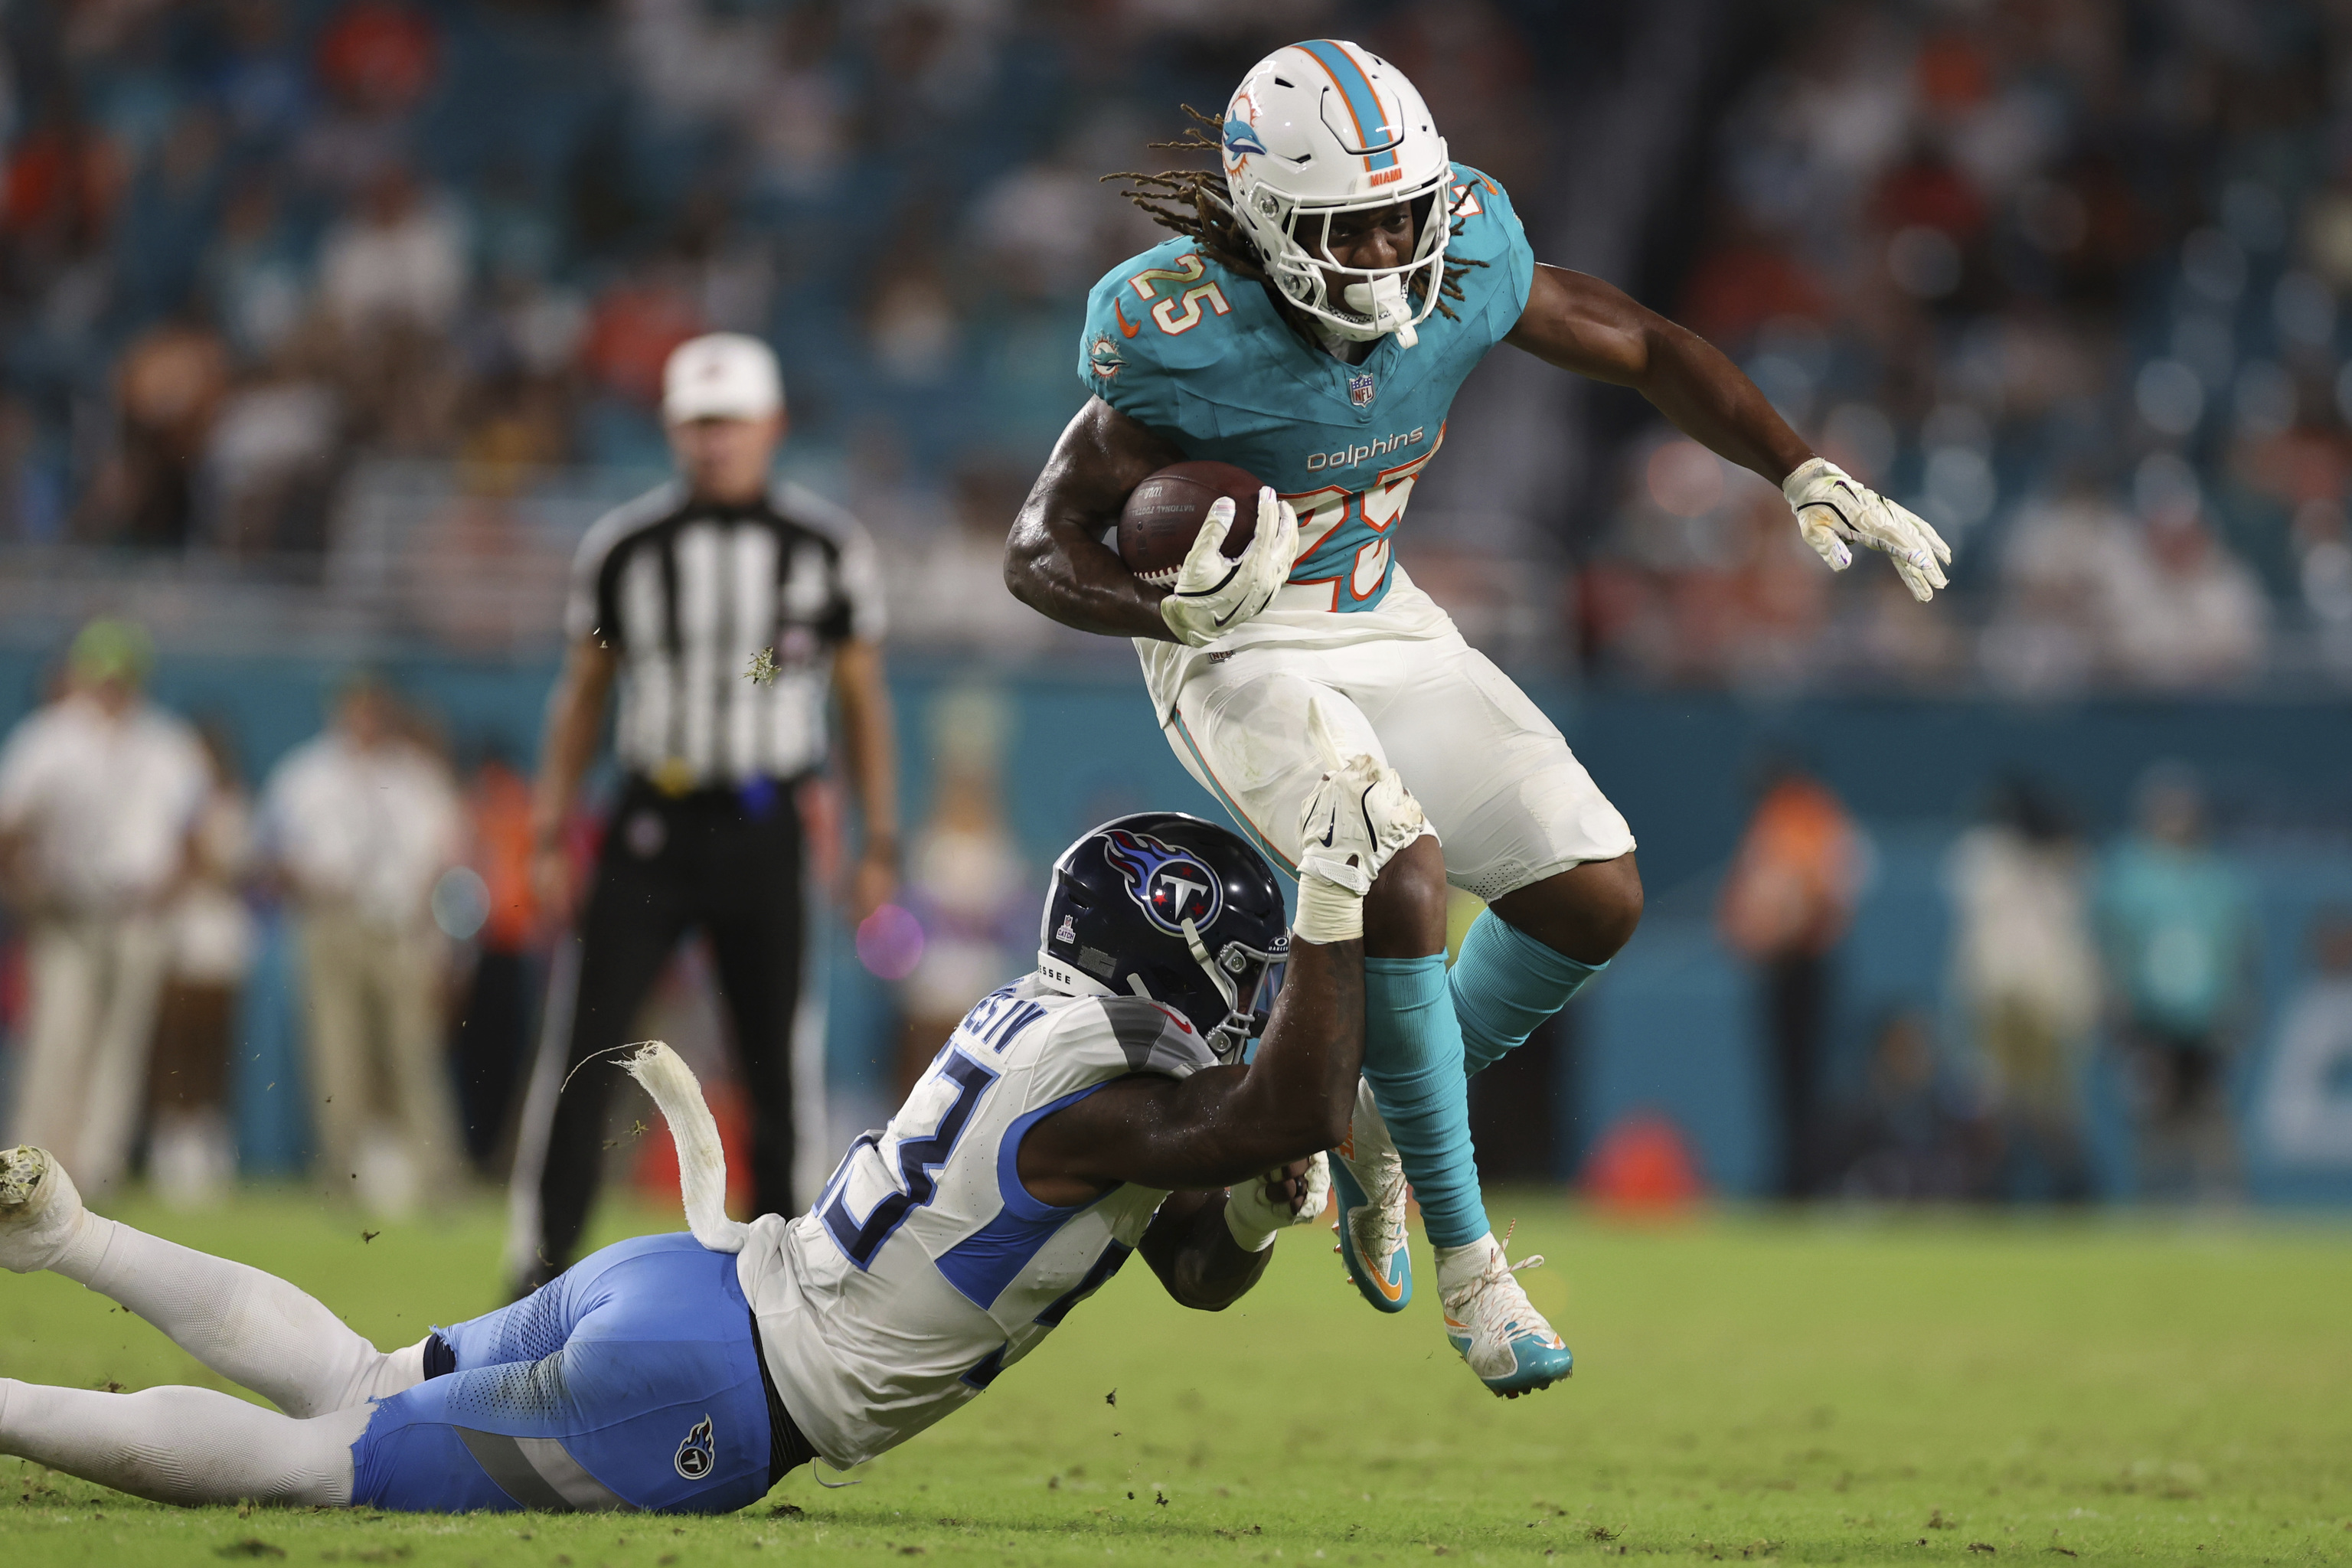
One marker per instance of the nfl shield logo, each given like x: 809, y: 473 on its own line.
x: 1359, y: 389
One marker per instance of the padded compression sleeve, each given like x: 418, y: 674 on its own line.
x: 1505, y: 985
x: 1412, y: 1059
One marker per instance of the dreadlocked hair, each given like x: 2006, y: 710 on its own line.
x: 1192, y: 202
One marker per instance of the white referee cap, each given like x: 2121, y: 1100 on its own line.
x: 721, y: 375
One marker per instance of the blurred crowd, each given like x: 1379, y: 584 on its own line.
x: 248, y: 244
x: 138, y: 870
x: 2062, y: 274
x: 2146, y: 946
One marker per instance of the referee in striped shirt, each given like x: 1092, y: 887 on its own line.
x: 681, y: 597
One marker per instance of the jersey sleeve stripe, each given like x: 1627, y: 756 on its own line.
x: 1155, y: 1037
x: 1018, y: 1199
x: 984, y: 1263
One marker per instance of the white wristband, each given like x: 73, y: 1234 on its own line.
x: 1245, y: 1234
x: 1327, y: 912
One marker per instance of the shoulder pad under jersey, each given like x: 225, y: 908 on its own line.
x: 1155, y: 313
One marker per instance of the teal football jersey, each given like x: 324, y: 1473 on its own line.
x: 1179, y: 344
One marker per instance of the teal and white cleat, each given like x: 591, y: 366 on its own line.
x: 39, y: 1209
x: 1367, y: 1180
x: 1499, y: 1332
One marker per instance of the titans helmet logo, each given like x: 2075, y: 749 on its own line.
x: 1171, y: 886
x: 698, y: 1453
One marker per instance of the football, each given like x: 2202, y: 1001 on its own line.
x: 1164, y: 513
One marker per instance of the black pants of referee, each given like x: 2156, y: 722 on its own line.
x: 728, y: 862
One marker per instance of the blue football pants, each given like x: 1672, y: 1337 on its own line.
x: 630, y: 1382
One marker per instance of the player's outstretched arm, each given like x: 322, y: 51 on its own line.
x: 1222, y: 1125
x: 1055, y: 559
x: 1260, y: 1128
x: 1581, y: 324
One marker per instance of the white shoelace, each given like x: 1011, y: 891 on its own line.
x: 1481, y: 1298
x: 1388, y: 1198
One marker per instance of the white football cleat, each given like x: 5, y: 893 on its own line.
x: 1368, y: 1179
x: 1499, y: 1332
x: 39, y: 1209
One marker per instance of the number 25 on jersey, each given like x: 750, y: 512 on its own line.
x: 1181, y: 310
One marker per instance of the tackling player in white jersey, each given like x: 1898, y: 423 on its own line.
x: 1095, y: 1109
x: 1325, y: 294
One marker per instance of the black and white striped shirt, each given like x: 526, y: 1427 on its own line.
x: 689, y: 594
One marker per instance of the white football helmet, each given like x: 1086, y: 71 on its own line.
x: 1326, y: 127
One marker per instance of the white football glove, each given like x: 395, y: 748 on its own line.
x: 1254, y: 1219
x: 1834, y: 510
x: 1359, y: 815
x: 1212, y: 595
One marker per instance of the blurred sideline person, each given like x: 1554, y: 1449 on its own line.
x: 98, y: 793
x: 733, y: 611
x: 492, y: 1039
x: 1096, y: 1108
x: 1329, y: 286
x: 1786, y: 905
x: 2178, y: 920
x: 1909, y: 1138
x: 192, y: 1148
x: 2305, y: 1109
x: 360, y: 822
x: 965, y: 882
x: 2026, y: 968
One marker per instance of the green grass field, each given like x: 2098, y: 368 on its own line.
x: 1832, y: 1390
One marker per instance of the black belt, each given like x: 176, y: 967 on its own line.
x: 787, y: 1448
x: 640, y: 788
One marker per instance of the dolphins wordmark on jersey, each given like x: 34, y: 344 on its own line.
x: 1183, y: 345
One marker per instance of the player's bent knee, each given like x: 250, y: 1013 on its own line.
x: 1405, y: 914
x: 1616, y: 909
x: 1587, y: 912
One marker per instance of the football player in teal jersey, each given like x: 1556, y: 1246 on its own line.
x: 1311, y: 321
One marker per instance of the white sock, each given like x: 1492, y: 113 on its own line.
x: 252, y: 1328
x: 1459, y: 1267
x: 182, y: 1445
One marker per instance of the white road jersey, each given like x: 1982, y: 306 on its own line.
x: 926, y: 1269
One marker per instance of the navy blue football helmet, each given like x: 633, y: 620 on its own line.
x: 1169, y: 907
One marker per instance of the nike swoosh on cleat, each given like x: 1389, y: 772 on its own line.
x: 1391, y: 1289
x: 1126, y: 328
